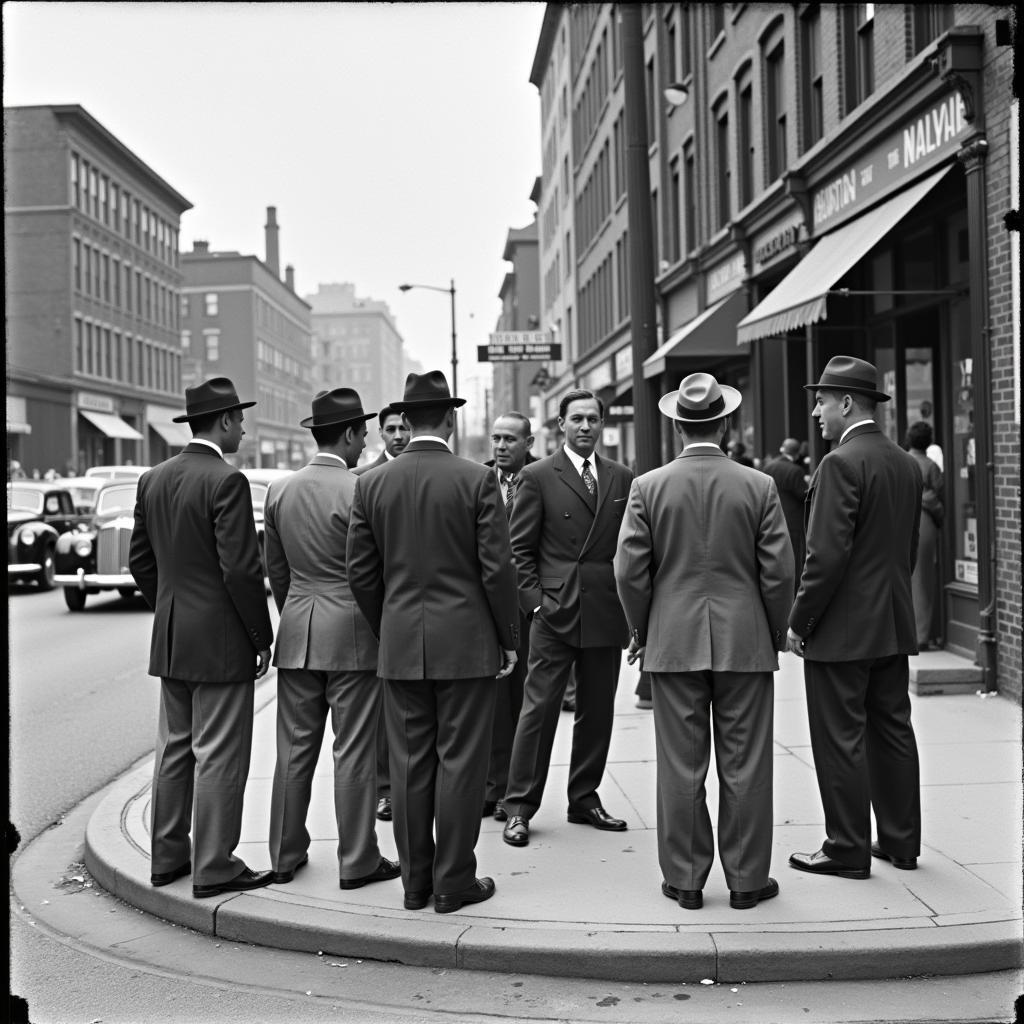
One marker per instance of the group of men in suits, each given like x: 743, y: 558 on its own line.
x: 456, y: 599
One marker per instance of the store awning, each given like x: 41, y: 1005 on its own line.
x: 177, y: 435
x: 112, y: 426
x: 800, y: 297
x: 711, y: 333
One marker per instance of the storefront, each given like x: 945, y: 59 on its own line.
x: 103, y: 436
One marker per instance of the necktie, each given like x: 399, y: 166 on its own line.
x: 510, y: 483
x: 588, y: 478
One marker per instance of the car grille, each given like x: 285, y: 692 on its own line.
x: 112, y: 545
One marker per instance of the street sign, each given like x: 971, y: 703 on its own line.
x: 518, y: 346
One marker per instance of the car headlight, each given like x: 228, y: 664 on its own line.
x: 27, y: 536
x: 83, y: 547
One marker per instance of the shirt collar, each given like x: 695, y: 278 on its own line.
x: 852, y: 426
x: 210, y: 444
x: 577, y: 461
x: 427, y: 437
x: 331, y: 455
x: 388, y: 457
x: 702, y: 444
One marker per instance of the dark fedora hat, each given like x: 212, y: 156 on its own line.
x: 217, y: 394
x: 700, y: 399
x: 331, y: 408
x: 426, y: 389
x: 847, y: 373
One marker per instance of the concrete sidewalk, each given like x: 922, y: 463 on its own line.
x: 582, y: 903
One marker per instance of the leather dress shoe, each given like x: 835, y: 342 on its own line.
x: 820, y: 863
x: 688, y: 899
x: 903, y: 863
x: 500, y: 814
x: 417, y: 899
x: 598, y: 817
x: 749, y: 900
x: 490, y: 806
x: 481, y: 889
x: 284, y: 877
x: 166, y: 877
x: 517, y: 831
x: 245, y: 880
x: 383, y: 872
x: 384, y: 808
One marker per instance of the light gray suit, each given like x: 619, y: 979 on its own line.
x: 326, y: 657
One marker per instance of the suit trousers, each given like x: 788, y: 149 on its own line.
x: 305, y: 697
x: 597, y: 676
x: 439, y: 737
x: 507, y: 707
x: 203, y: 744
x: 737, y: 708
x: 383, y: 763
x: 865, y: 755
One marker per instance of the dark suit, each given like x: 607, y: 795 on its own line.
x: 792, y: 488
x: 195, y: 557
x: 563, y: 540
x: 429, y: 564
x: 381, y: 460
x: 855, y: 611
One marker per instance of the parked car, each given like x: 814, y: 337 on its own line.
x: 117, y: 472
x: 83, y: 491
x: 259, y: 483
x: 94, y: 557
x: 37, y: 514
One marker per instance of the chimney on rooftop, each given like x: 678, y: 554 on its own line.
x: 273, y: 259
x: 289, y: 277
x: 200, y: 246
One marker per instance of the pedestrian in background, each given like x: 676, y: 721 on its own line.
x: 394, y: 433
x: 326, y: 654
x: 790, y: 482
x: 430, y: 565
x: 565, y: 525
x: 853, y: 624
x: 737, y: 451
x: 704, y: 571
x: 195, y: 557
x: 925, y: 579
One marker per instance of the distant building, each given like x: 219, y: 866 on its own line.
x: 240, y: 320
x: 92, y: 290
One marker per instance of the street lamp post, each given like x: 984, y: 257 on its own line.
x: 455, y: 354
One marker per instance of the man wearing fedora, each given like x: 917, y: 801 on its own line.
x: 430, y: 565
x: 326, y: 653
x: 704, y: 570
x: 853, y: 624
x: 195, y: 557
x: 565, y: 524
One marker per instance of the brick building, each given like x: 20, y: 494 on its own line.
x: 92, y: 289
x: 835, y: 179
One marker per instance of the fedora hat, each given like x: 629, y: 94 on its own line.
x: 700, y: 399
x: 217, y: 394
x: 425, y: 389
x: 331, y: 408
x: 847, y: 373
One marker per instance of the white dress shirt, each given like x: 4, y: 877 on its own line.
x: 577, y: 461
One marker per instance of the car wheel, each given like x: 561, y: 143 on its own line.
x: 74, y: 598
x: 45, y: 575
x: 126, y: 591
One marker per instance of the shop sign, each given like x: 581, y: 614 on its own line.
x: 966, y: 571
x: 518, y: 346
x: 724, y: 278
x: 915, y: 147
x: 97, y: 403
x: 598, y: 377
x: 624, y: 363
x: 610, y: 437
x: 777, y: 242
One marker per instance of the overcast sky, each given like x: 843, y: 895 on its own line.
x: 399, y: 142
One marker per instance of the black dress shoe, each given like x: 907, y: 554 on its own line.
x: 245, y: 880
x: 500, y: 814
x: 688, y: 899
x: 820, y: 863
x: 749, y: 900
x: 384, y: 808
x: 166, y: 877
x: 598, y: 817
x: 903, y: 863
x: 517, y: 831
x: 417, y: 899
x: 482, y: 889
x: 284, y: 877
x: 490, y: 806
x: 383, y: 872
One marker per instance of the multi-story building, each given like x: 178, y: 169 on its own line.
x: 835, y: 179
x: 240, y: 320
x: 92, y: 290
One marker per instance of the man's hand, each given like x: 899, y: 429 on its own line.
x: 508, y: 662
x: 264, y: 659
x: 794, y: 643
x: 634, y: 652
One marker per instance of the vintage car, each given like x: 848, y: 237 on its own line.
x: 83, y: 491
x: 259, y: 483
x: 117, y: 472
x: 37, y: 514
x: 94, y: 557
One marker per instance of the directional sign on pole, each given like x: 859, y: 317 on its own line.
x: 518, y: 346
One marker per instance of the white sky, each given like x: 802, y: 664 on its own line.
x: 399, y: 142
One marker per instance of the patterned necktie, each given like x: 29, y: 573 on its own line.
x: 510, y: 483
x: 588, y: 478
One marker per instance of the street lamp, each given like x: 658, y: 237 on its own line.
x: 455, y: 357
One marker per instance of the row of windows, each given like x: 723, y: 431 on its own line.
x: 104, y: 352
x: 97, y: 196
x: 593, y: 97
x: 278, y: 405
x: 597, y: 312
x: 210, y: 351
x: 106, y: 278
x: 269, y: 357
x: 594, y: 201
x: 211, y: 304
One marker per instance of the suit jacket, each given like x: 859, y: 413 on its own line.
x: 792, y: 488
x: 195, y: 557
x: 381, y: 460
x: 705, y: 566
x: 306, y: 529
x: 429, y: 564
x: 863, y: 518
x: 563, y: 548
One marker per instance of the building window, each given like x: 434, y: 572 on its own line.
x: 655, y: 230
x: 76, y: 194
x: 76, y: 262
x: 675, y: 211
x: 105, y: 277
x: 104, y: 202
x: 186, y: 342
x: 96, y: 274
x: 716, y: 22
x: 94, y: 192
x: 79, y: 346
x: 930, y: 21
x: 746, y: 139
x: 685, y: 41
x: 210, y: 303
x: 125, y: 229
x: 568, y: 254
x: 652, y: 121
x: 184, y: 305
x: 136, y: 222
x: 671, y: 47
x: 858, y: 53
x: 812, y: 84
x: 149, y: 299
x: 689, y: 197
x: 211, y: 338
x: 723, y: 206
x: 775, y: 81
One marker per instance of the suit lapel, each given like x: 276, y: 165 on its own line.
x: 572, y: 479
x: 604, y: 477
